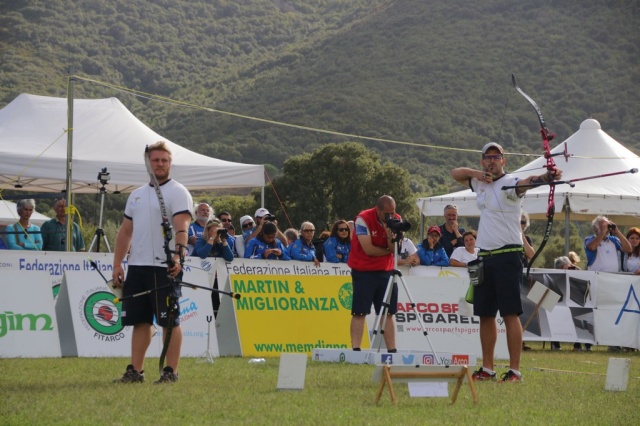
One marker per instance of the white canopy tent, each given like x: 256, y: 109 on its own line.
x: 33, y: 149
x: 593, y: 153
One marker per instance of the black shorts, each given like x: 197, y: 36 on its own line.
x: 143, y: 309
x: 500, y: 290
x: 369, y: 288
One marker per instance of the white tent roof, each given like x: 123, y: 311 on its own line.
x: 33, y: 149
x: 9, y: 214
x: 593, y: 153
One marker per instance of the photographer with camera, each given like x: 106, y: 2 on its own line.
x: 372, y: 261
x: 262, y: 216
x: 602, y: 247
x: 215, y: 242
x: 218, y: 242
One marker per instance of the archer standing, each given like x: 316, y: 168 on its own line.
x: 500, y: 248
x: 371, y: 262
x: 141, y: 235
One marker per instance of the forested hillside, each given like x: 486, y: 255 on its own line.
x: 431, y: 72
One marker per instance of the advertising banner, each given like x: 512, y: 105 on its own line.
x: 28, y: 326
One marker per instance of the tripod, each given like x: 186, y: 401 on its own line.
x: 103, y: 178
x: 381, y: 318
x: 207, y: 356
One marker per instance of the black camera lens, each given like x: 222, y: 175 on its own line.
x: 222, y: 232
x: 612, y: 226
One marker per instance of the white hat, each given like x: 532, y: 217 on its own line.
x: 492, y: 145
x: 245, y: 218
x: 261, y: 212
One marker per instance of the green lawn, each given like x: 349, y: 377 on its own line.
x: 559, y: 388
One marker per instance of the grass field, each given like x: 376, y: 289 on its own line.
x: 79, y: 391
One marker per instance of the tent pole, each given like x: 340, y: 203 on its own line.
x: 70, y: 85
x: 567, y: 223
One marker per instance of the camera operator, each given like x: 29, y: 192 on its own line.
x: 218, y: 242
x: 372, y: 261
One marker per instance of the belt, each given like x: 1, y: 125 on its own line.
x: 501, y: 250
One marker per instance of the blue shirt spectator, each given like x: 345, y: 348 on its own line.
x: 266, y: 246
x: 216, y: 244
x: 430, y: 251
x: 338, y: 245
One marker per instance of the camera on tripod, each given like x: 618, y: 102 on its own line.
x: 398, y: 227
x: 104, y: 176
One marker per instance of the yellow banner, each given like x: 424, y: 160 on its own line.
x: 292, y: 313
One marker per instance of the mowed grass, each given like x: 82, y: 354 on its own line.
x: 233, y: 391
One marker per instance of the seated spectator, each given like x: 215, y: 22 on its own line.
x: 291, y: 235
x: 563, y: 262
x: 430, y: 251
x: 23, y: 235
x: 54, y: 231
x: 318, y: 244
x: 337, y: 247
x: 631, y: 261
x: 266, y: 245
x: 463, y: 255
x: 407, y: 253
x: 226, y: 221
x: 216, y: 244
x: 302, y: 248
x: 575, y: 259
x: 196, y: 229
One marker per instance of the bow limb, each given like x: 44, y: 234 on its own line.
x: 550, y: 166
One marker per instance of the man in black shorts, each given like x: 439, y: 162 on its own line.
x: 500, y: 249
x: 371, y: 262
x: 141, y: 236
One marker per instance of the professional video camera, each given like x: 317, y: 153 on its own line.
x: 398, y: 227
x: 104, y: 176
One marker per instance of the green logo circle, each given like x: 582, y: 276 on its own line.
x: 102, y: 314
x: 345, y: 295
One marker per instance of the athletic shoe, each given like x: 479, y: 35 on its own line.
x: 510, y: 376
x: 167, y: 376
x: 131, y: 376
x: 482, y: 376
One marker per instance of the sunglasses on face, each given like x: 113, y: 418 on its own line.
x: 496, y: 157
x: 523, y: 222
x: 225, y: 220
x: 247, y: 225
x: 343, y: 229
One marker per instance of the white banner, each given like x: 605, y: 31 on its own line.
x: 93, y: 327
x: 28, y: 326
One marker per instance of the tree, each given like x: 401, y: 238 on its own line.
x: 336, y: 181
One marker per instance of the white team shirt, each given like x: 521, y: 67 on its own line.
x: 499, y: 213
x: 463, y: 256
x: 143, y: 208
